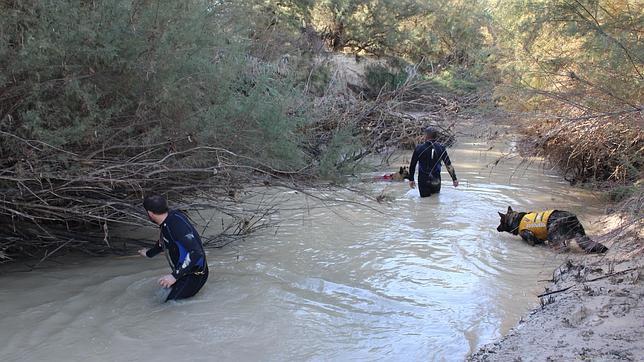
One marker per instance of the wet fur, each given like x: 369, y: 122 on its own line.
x: 562, y: 227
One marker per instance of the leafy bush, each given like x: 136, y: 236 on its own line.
x: 145, y: 73
x: 456, y: 81
x: 380, y: 77
x: 104, y: 101
x: 621, y: 193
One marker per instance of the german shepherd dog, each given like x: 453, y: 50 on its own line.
x: 554, y: 226
x: 401, y: 175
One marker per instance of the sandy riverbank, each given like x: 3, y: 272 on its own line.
x: 593, y: 310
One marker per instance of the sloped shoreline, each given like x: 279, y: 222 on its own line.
x: 593, y: 310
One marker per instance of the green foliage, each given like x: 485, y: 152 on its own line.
x: 587, y: 54
x: 84, y: 75
x: 621, y: 193
x: 434, y: 32
x: 380, y: 77
x: 451, y: 34
x: 90, y: 75
x: 582, y: 63
x: 457, y: 81
x: 317, y: 79
x: 366, y: 25
x: 338, y: 154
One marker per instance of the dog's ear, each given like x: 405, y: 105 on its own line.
x: 502, y: 215
x: 509, y: 209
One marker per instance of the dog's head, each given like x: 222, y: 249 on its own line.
x: 509, y: 221
x: 404, y: 172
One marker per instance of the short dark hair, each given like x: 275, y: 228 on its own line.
x: 431, y: 131
x: 155, y: 203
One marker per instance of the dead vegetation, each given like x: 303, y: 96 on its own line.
x: 72, y: 199
x: 591, y: 150
x: 81, y: 145
x: 389, y: 120
x: 58, y: 199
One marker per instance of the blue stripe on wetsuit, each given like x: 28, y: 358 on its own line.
x: 183, y: 242
x: 200, y: 261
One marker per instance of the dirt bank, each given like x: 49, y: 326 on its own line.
x: 593, y: 310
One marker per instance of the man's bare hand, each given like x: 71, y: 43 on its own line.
x: 412, y: 184
x: 143, y: 252
x: 167, y: 281
x: 455, y: 183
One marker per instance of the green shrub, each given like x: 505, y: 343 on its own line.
x: 317, y: 79
x: 380, y: 77
x: 338, y: 154
x: 120, y: 72
x: 621, y: 193
x: 456, y: 81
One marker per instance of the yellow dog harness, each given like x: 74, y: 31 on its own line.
x: 536, y: 222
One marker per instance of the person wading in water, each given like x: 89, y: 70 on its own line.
x: 429, y: 156
x: 182, y: 246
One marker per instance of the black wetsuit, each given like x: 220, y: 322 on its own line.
x: 185, y: 254
x: 429, y: 155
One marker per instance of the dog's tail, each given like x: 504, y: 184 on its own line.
x: 590, y: 246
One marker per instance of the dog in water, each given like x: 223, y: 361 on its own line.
x: 401, y: 175
x: 554, y: 226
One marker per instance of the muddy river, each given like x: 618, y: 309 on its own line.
x: 410, y: 279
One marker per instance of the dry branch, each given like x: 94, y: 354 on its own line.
x: 592, y: 149
x: 54, y: 198
x: 394, y: 119
x: 59, y: 198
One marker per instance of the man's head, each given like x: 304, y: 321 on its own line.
x: 157, y: 207
x: 430, y: 133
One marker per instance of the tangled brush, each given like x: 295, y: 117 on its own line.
x: 591, y: 149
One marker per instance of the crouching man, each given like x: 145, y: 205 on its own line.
x: 182, y: 246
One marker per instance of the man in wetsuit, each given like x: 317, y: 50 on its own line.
x: 429, y: 156
x: 182, y: 246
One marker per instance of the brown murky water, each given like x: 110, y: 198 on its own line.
x: 415, y: 279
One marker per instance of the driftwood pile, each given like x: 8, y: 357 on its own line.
x: 592, y: 149
x: 392, y: 120
x: 53, y: 198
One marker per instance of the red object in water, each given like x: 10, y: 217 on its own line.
x: 387, y: 177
